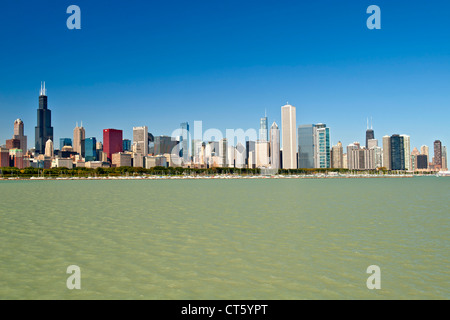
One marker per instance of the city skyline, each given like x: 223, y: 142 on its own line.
x: 295, y: 128
x: 268, y: 55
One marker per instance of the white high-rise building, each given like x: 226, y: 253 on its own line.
x: 407, y: 147
x: 275, y: 147
x: 262, y: 154
x: 140, y: 140
x: 289, y: 137
x: 49, y: 148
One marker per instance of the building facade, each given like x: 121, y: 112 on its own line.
x: 275, y: 147
x: 112, y: 142
x: 322, y: 147
x: 289, y: 136
x: 306, y: 146
x: 44, y: 129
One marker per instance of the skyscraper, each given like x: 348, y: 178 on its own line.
x: 79, y: 135
x: 306, y: 146
x: 164, y: 145
x: 126, y: 145
x: 322, y: 146
x: 140, y: 140
x: 44, y: 129
x: 414, y: 155
x: 438, y: 154
x: 444, y: 158
x: 185, y: 141
x: 397, y: 152
x: 387, y: 152
x: 289, y: 137
x: 251, y: 154
x: 49, y: 148
x: 353, y: 156
x: 263, y: 132
x: 275, y: 147
x: 422, y: 162
x: 223, y: 152
x: 90, y: 149
x: 425, y: 150
x: 4, y: 158
x: 262, y: 154
x: 407, y: 148
x: 337, y: 156
x: 112, y: 142
x: 19, y: 134
x: 370, y: 134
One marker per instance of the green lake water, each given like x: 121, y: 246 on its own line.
x: 226, y: 239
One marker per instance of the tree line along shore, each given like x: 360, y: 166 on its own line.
x: 178, y: 171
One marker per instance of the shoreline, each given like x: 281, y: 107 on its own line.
x: 217, y: 177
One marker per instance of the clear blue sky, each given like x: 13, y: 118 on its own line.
x: 160, y: 63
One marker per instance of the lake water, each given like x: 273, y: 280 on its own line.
x: 226, y: 239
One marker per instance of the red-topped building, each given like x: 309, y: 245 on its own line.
x: 112, y: 142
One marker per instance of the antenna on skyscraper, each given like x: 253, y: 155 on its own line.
x: 371, y: 123
x: 40, y: 92
x: 44, y: 92
x: 367, y: 123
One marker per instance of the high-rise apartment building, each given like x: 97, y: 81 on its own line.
x: 289, y: 137
x: 413, y: 160
x: 275, y: 147
x: 438, y: 154
x: 322, y: 147
x: 337, y: 156
x: 44, y: 129
x: 422, y: 162
x: 444, y: 158
x: 407, y: 149
x: 387, y: 153
x: 112, y: 142
x: 397, y: 152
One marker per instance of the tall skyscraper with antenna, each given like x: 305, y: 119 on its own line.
x: 370, y: 134
x: 44, y: 129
